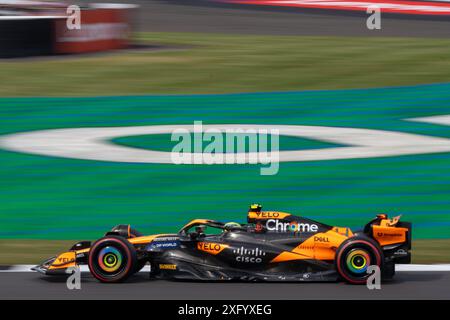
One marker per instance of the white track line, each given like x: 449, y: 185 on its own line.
x: 27, y: 268
x: 95, y: 143
x: 422, y: 267
x: 398, y: 267
x: 441, y: 120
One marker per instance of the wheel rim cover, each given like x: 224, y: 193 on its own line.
x: 110, y: 259
x: 357, y: 261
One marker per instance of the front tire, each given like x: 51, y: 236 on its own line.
x: 354, y: 256
x: 112, y: 259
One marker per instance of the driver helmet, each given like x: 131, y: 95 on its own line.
x: 230, y: 225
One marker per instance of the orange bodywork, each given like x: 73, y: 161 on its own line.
x: 64, y: 260
x: 321, y: 246
x: 146, y: 239
x: 268, y: 215
x: 389, y: 235
x: 344, y: 231
x: 387, y: 232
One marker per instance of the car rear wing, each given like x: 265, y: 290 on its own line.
x: 394, y: 237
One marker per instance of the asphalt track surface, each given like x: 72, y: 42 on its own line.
x: 406, y: 285
x: 200, y: 16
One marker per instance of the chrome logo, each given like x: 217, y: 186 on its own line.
x: 110, y: 259
x: 293, y: 226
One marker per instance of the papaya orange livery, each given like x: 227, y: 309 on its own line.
x: 268, y: 215
x: 271, y: 246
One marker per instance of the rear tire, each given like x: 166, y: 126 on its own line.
x: 355, y: 255
x: 112, y: 259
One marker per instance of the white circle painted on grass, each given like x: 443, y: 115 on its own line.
x: 95, y: 143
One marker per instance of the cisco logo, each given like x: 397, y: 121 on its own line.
x: 249, y: 255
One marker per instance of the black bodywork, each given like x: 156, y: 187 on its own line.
x: 239, y: 261
x: 273, y: 246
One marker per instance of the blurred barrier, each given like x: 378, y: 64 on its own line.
x: 103, y: 27
x: 26, y: 36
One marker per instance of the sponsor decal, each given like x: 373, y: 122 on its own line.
x: 258, y: 227
x: 293, y: 226
x: 65, y: 258
x: 382, y: 234
x: 267, y: 215
x: 400, y: 252
x: 321, y: 239
x: 249, y: 255
x: 388, y: 236
x: 165, y: 239
x: 168, y: 266
x: 164, y: 243
x: 211, y: 247
x: 95, y: 32
x: 303, y: 247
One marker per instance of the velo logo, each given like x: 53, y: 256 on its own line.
x: 211, y: 247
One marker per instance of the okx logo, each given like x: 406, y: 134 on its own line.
x: 249, y: 255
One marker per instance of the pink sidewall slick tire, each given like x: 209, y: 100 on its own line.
x: 112, y: 259
x: 354, y: 256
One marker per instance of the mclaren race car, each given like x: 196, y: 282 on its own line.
x: 272, y: 246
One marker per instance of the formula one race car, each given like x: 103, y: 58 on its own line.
x: 273, y: 246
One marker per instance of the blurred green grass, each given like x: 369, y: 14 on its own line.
x: 35, y: 251
x: 214, y: 63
